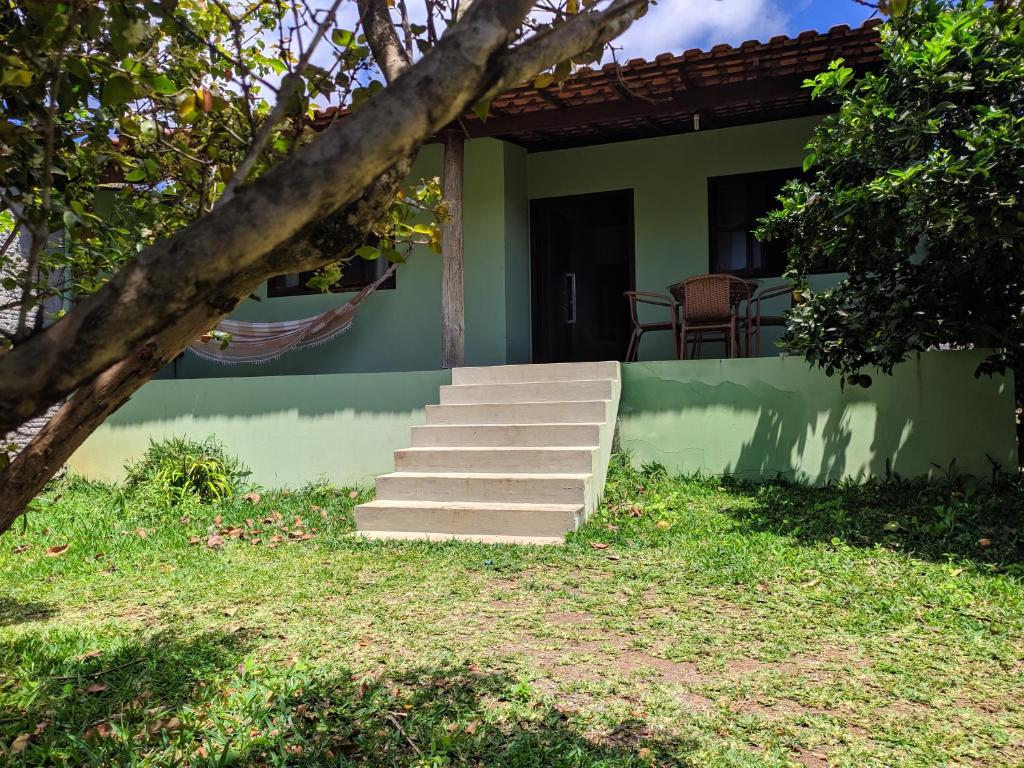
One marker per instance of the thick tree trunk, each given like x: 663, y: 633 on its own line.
x: 67, y: 430
x: 453, y: 302
x: 112, y: 342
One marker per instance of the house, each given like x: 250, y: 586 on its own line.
x: 618, y: 179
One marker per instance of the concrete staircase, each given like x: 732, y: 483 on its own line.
x: 513, y: 454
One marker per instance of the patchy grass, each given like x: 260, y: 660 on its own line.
x: 692, y: 622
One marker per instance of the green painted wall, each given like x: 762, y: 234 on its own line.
x: 290, y: 430
x: 518, y: 310
x: 669, y: 178
x: 754, y: 418
x: 763, y: 417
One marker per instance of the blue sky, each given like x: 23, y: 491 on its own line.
x: 676, y: 25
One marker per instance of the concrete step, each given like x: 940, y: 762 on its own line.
x: 506, y: 435
x: 528, y: 392
x: 496, y: 460
x: 530, y: 541
x: 512, y: 374
x: 468, y: 518
x: 506, y: 488
x: 574, y: 412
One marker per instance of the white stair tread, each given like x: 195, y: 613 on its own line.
x: 517, y: 476
x: 469, y: 506
x: 479, y: 538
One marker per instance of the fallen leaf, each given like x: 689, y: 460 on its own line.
x: 635, y: 511
x: 984, y: 542
x: 663, y: 525
x: 353, y: 494
x: 598, y: 545
x: 611, y: 527
x: 217, y: 520
x: 100, y: 730
x: 252, y: 497
x: 21, y: 548
x: 185, y: 520
x: 20, y: 743
x: 615, y: 558
x: 97, y: 688
x: 231, y: 611
x: 214, y: 541
x: 57, y: 551
x: 250, y: 522
x: 194, y: 539
x: 233, y: 533
x: 41, y: 726
x: 141, y: 533
x: 471, y: 728
x: 87, y: 655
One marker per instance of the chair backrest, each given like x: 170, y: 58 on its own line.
x: 647, y: 297
x: 707, y: 298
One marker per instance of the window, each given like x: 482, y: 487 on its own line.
x: 356, y: 274
x: 735, y: 204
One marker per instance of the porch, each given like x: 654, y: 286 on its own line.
x: 573, y: 195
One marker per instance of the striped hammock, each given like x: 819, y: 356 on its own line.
x: 262, y: 342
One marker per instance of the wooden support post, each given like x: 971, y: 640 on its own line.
x: 453, y: 308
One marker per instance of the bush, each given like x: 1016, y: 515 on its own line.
x: 180, y: 469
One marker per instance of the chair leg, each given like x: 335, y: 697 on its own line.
x: 634, y: 345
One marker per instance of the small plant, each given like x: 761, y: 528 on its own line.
x: 180, y: 469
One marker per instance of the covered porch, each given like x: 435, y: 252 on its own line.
x: 572, y: 196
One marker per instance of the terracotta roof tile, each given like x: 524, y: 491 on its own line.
x: 727, y: 85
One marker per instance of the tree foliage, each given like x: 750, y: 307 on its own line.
x: 917, y: 193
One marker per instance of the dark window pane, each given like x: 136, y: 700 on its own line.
x: 735, y: 204
x: 357, y: 274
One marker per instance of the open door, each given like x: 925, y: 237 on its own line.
x: 581, y: 249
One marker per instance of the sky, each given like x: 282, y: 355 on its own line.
x: 674, y: 26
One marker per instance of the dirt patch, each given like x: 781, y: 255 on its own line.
x: 694, y: 702
x: 570, y: 617
x: 810, y: 759
x: 629, y: 662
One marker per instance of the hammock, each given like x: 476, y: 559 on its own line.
x: 261, y: 342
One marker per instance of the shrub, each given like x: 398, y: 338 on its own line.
x: 180, y: 469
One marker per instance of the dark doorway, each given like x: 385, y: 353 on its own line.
x: 581, y: 249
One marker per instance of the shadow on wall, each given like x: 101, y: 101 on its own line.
x: 264, y: 395
x: 767, y: 418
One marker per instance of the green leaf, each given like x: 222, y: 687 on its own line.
x: 117, y: 90
x: 368, y: 252
x: 809, y: 162
x: 482, y: 109
x: 163, y: 84
x: 342, y: 38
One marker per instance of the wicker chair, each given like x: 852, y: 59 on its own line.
x: 712, y: 304
x: 636, y: 298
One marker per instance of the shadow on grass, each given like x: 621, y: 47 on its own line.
x: 956, y: 518
x: 195, y: 702
x: 14, y: 611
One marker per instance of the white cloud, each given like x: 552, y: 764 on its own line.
x: 674, y: 26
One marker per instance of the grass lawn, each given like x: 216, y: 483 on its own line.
x: 692, y: 622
